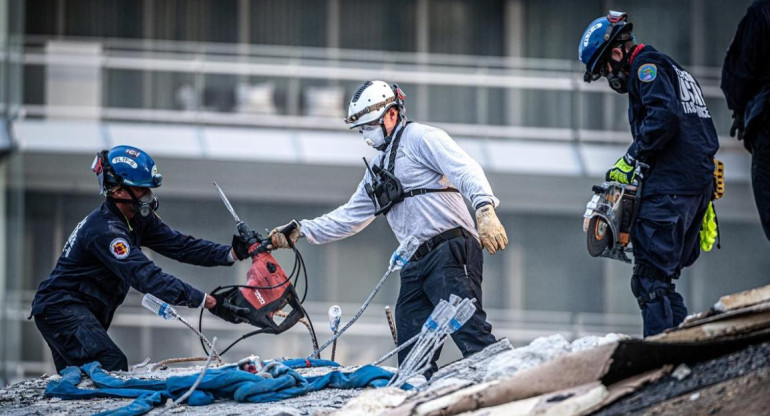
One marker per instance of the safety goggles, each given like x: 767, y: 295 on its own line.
x: 374, y: 125
x: 366, y: 110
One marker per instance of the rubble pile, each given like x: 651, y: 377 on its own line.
x: 716, y: 362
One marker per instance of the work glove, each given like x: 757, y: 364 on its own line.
x: 623, y: 171
x: 491, y: 231
x: 285, y: 236
x: 240, y: 247
x: 226, y: 310
x: 708, y: 229
x: 736, y: 130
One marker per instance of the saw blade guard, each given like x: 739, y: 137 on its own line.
x: 608, y: 220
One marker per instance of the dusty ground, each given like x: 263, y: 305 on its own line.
x: 735, y: 384
x: 26, y: 398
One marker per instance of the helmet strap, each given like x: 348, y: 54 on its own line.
x: 388, y: 138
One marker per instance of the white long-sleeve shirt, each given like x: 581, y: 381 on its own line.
x: 426, y: 158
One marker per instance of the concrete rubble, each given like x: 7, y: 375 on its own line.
x: 723, y: 350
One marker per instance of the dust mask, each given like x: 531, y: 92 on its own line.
x: 374, y: 136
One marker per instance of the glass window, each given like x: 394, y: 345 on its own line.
x: 553, y: 28
x: 466, y: 27
x: 559, y: 274
x: 221, y: 21
x: 721, y: 23
x: 40, y: 17
x: 663, y: 24
x: 288, y: 22
x: 371, y: 24
x: 107, y: 18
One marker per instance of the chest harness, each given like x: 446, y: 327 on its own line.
x: 386, y: 190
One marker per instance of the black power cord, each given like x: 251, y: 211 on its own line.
x: 297, y: 270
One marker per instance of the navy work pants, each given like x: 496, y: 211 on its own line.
x: 453, y: 267
x: 662, y: 307
x: 760, y: 176
x: 76, y: 337
x: 665, y: 240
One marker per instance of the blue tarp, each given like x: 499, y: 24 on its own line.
x: 219, y: 383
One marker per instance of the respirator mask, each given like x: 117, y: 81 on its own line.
x: 374, y: 136
x: 616, y: 78
x: 145, y: 205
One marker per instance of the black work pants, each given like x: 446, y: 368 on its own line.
x: 76, y: 337
x: 662, y: 307
x: 453, y: 267
x: 760, y: 176
x: 666, y: 239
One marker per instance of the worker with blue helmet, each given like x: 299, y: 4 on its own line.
x: 102, y: 259
x: 674, y: 134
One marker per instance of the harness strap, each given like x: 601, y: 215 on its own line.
x: 422, y: 191
x: 392, y: 166
x: 394, y: 149
x: 655, y: 296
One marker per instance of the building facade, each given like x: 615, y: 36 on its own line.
x: 252, y: 93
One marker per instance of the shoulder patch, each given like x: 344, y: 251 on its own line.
x: 647, y: 72
x: 119, y: 248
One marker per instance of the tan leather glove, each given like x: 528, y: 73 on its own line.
x: 491, y: 232
x: 278, y: 236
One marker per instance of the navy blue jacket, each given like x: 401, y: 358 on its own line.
x: 671, y: 126
x: 102, y: 258
x: 746, y: 71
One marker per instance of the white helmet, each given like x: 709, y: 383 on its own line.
x: 371, y: 101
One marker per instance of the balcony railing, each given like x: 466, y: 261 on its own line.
x: 308, y: 88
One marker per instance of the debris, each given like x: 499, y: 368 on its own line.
x: 722, y: 365
x: 371, y: 402
x: 681, y: 372
x: 743, y: 299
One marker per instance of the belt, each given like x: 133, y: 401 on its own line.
x: 650, y: 272
x: 434, y: 242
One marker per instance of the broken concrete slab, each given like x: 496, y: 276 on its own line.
x: 724, y: 327
x: 743, y: 299
x: 568, y: 402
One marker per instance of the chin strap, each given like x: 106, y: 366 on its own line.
x: 387, y: 141
x: 401, y: 121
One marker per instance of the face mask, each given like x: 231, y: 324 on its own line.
x: 374, y: 136
x: 617, y: 78
x: 147, y: 204
x: 618, y: 82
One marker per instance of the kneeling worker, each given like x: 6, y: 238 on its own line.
x: 102, y: 258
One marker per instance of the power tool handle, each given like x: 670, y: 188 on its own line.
x: 247, y: 233
x: 288, y: 228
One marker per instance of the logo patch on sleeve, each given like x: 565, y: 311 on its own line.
x: 119, y: 248
x: 647, y: 72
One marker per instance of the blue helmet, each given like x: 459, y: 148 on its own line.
x: 125, y: 166
x: 599, y: 38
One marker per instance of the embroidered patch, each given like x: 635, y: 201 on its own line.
x: 647, y: 72
x: 119, y: 248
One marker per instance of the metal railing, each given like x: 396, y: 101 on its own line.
x: 268, y: 86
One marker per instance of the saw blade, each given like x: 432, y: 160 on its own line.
x: 227, y: 203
